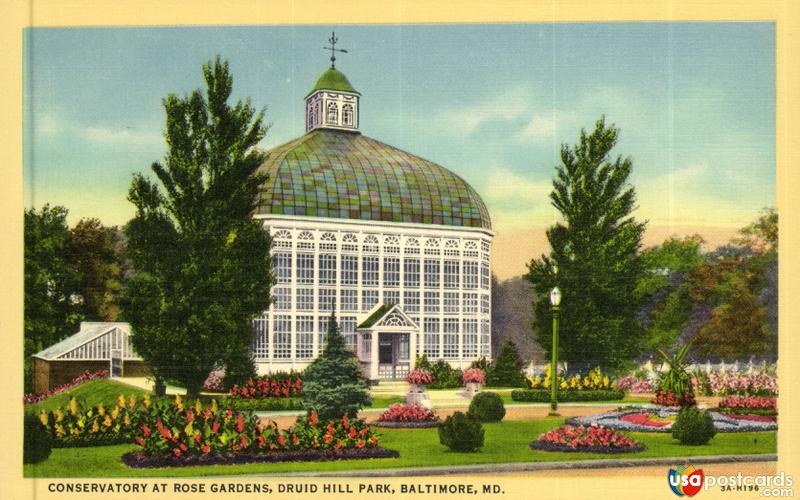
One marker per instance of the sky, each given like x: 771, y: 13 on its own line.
x: 695, y: 104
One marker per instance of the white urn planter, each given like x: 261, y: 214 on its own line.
x: 417, y: 396
x: 471, y: 389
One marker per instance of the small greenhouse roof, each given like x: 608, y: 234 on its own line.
x: 88, y: 332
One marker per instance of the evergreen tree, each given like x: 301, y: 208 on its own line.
x: 333, y: 384
x: 594, y: 250
x: 506, y: 371
x: 202, y: 267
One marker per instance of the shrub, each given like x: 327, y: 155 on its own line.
x: 507, y: 368
x: 408, y: 413
x: 487, y: 407
x: 419, y: 376
x: 482, y: 364
x: 37, y: 444
x: 444, y: 375
x: 461, y: 432
x: 592, y: 438
x: 543, y: 395
x: 333, y: 384
x: 693, y: 426
x: 474, y: 376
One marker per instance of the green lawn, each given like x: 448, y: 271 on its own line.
x: 506, y: 396
x: 505, y: 442
x: 89, y: 394
x: 386, y: 401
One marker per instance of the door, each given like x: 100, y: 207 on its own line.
x: 116, y: 363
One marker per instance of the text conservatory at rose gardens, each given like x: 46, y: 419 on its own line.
x: 397, y: 245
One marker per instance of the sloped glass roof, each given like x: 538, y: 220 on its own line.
x: 331, y: 173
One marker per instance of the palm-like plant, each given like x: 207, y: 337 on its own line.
x: 677, y: 379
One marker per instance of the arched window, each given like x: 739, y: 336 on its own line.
x: 305, y: 235
x: 333, y: 113
x: 310, y: 118
x: 283, y: 234
x: 347, y: 114
x: 350, y: 238
x: 328, y: 237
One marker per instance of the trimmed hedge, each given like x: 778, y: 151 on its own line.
x: 487, y: 407
x: 693, y: 426
x: 543, y: 395
x: 37, y: 444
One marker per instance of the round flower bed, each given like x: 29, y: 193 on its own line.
x: 407, y: 416
x: 591, y: 439
x: 661, y: 420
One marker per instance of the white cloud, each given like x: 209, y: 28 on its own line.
x: 506, y: 106
x: 545, y: 125
x: 515, y: 200
x: 103, y: 135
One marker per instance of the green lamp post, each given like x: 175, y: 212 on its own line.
x: 555, y: 300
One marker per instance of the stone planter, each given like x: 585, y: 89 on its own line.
x: 417, y: 396
x: 471, y: 389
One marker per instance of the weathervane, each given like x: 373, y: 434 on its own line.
x: 332, y: 40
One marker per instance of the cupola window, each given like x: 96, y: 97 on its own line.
x: 333, y: 113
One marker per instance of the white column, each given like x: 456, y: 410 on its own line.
x: 373, y: 366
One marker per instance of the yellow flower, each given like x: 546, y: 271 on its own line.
x: 81, y: 422
x: 214, y: 406
x: 197, y: 406
x: 178, y: 402
x: 606, y: 382
x: 146, y: 401
x: 107, y: 422
x: 43, y: 418
x: 59, y: 415
x: 95, y: 427
x: 126, y: 420
x: 100, y: 410
x: 563, y: 385
x: 59, y: 430
x: 121, y: 401
x: 73, y: 406
x: 115, y: 412
x: 131, y: 402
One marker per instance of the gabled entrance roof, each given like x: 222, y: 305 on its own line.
x: 387, y: 315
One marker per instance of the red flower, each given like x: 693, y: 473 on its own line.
x: 197, y: 438
x: 360, y: 443
x: 229, y: 413
x: 176, y: 452
x: 215, y: 426
x: 205, y: 448
x: 313, y: 418
x: 345, y: 422
x: 261, y: 441
x: 146, y: 430
x: 328, y: 438
x: 281, y: 440
x: 352, y: 432
x: 295, y: 440
x: 244, y: 441
x: 140, y: 442
x: 189, y: 416
x: 239, y: 423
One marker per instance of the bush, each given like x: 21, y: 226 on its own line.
x: 487, y: 407
x: 444, y: 375
x: 37, y: 444
x: 482, y: 364
x: 333, y: 384
x: 461, y: 432
x: 693, y: 426
x: 506, y: 370
x: 543, y: 396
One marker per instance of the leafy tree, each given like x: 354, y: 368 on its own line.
x: 512, y: 316
x: 94, y: 250
x: 333, y: 384
x: 595, y: 253
x: 202, y: 267
x: 507, y: 368
x: 51, y: 281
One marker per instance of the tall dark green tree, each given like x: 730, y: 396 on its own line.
x: 51, y: 281
x: 202, y: 267
x: 594, y: 250
x: 333, y: 384
x: 94, y: 250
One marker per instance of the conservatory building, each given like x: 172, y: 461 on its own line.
x: 398, y: 246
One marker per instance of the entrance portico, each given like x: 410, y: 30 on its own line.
x: 386, y: 343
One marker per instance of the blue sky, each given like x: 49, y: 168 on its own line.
x: 695, y: 103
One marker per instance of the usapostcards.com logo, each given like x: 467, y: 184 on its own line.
x: 685, y: 481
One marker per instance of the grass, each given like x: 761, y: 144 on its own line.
x: 89, y: 394
x: 505, y: 442
x: 506, y: 396
x: 386, y: 401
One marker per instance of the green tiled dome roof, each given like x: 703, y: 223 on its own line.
x: 332, y: 79
x: 330, y: 173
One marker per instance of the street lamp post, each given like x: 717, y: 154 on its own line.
x: 555, y: 300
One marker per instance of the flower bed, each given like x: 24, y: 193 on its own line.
x: 141, y: 460
x: 726, y: 383
x: 543, y: 395
x: 748, y: 403
x: 592, y: 439
x: 208, y: 431
x: 268, y: 387
x: 592, y: 381
x: 666, y: 398
x: 75, y: 426
x: 407, y: 416
x: 646, y: 419
x: 633, y: 383
x: 642, y: 420
x: 752, y: 418
x: 87, y: 376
